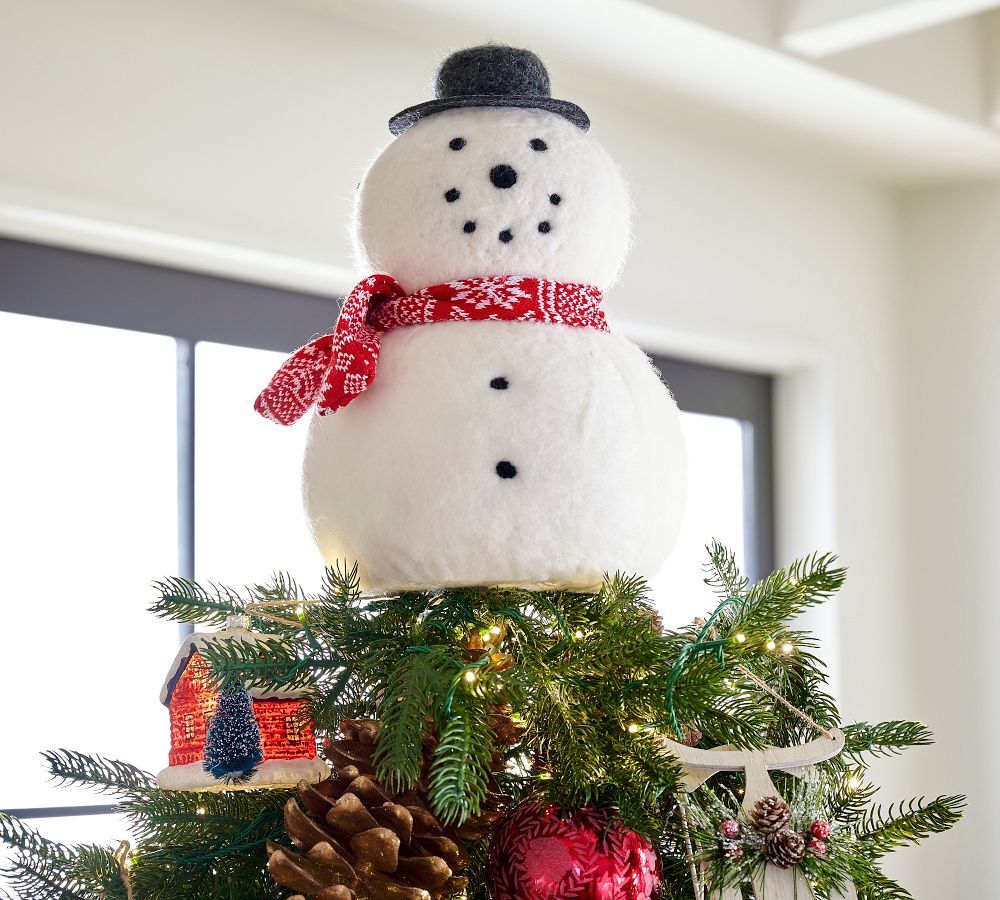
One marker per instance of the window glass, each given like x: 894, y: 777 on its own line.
x: 248, y: 496
x: 88, y: 487
x: 714, y: 510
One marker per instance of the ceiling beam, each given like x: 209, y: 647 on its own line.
x: 820, y: 28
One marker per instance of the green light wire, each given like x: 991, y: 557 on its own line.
x: 698, y: 645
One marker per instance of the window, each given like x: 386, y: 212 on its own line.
x: 133, y: 457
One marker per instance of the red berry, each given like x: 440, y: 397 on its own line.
x: 735, y: 854
x: 820, y: 829
x: 817, y: 847
x: 729, y: 829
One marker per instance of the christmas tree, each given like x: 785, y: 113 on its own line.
x: 232, y: 748
x: 493, y: 700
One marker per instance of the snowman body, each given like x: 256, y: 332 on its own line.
x: 497, y: 452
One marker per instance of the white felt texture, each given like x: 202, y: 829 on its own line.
x: 405, y: 226
x: 274, y: 773
x: 404, y: 479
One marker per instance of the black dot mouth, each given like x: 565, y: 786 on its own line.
x: 544, y: 227
x: 499, y: 383
x: 555, y: 199
x: 469, y: 227
x: 506, y: 469
x: 452, y: 194
x: 505, y: 236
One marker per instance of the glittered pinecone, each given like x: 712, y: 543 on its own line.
x: 358, y: 841
x: 785, y: 848
x: 770, y: 815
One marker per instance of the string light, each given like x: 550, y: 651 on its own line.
x: 201, y: 810
x: 771, y: 645
x: 470, y: 676
x: 578, y: 634
x: 741, y: 638
x: 633, y: 728
x: 787, y: 648
x: 495, y: 630
x: 853, y: 783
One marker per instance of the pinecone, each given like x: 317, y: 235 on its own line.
x: 770, y: 815
x: 361, y: 842
x: 785, y: 848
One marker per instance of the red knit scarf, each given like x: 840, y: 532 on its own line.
x: 330, y: 371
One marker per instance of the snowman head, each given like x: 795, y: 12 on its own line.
x: 494, y: 177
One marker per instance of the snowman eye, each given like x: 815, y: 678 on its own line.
x: 456, y: 143
x: 538, y: 144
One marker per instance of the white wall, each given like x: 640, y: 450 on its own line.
x: 247, y: 124
x: 952, y: 318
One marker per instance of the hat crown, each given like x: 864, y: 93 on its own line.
x: 492, y: 70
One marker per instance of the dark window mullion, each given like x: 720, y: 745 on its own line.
x: 185, y: 463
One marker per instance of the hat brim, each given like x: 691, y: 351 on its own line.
x: 413, y: 114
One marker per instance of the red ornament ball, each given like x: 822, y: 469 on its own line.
x: 817, y: 847
x: 820, y: 829
x: 729, y: 829
x: 539, y: 853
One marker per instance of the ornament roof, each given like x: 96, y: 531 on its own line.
x: 199, y: 640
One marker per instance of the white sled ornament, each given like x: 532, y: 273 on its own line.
x: 770, y: 882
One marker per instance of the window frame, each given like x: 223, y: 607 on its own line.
x: 58, y: 283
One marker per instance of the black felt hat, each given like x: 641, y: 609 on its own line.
x: 491, y: 75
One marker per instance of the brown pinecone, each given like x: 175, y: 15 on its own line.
x: 361, y: 842
x: 785, y: 848
x: 770, y: 815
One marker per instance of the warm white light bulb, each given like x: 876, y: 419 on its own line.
x: 787, y: 648
x: 470, y: 676
x: 770, y: 645
x: 495, y: 630
x: 578, y: 634
x: 633, y: 728
x: 741, y: 638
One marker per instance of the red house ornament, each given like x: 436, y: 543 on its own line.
x: 287, y: 738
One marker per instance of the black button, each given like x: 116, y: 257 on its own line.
x: 503, y: 176
x: 506, y: 469
x: 469, y: 227
x: 499, y: 384
x: 555, y: 199
x: 506, y: 236
x: 544, y: 227
x: 451, y: 195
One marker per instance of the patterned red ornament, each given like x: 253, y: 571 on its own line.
x: 332, y: 370
x: 539, y: 854
x: 820, y: 829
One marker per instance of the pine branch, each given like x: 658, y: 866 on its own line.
x: 910, y: 823
x: 461, y: 767
x: 105, y: 775
x: 884, y: 738
x: 404, y: 711
x: 186, y: 601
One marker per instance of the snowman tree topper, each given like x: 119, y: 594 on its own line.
x: 518, y: 441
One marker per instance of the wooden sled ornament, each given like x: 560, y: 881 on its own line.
x: 770, y: 882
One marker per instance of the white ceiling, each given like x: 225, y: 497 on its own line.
x: 907, y: 88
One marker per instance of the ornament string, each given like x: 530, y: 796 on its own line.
x: 791, y: 707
